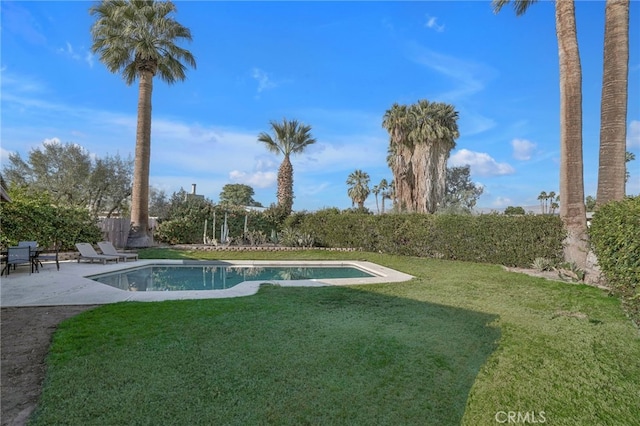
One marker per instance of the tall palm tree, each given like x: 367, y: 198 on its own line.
x: 421, y: 138
x: 289, y: 137
x: 376, y: 191
x: 551, y: 203
x: 572, y: 209
x: 433, y: 132
x: 543, y: 201
x: 358, y: 190
x: 138, y: 39
x: 613, y: 111
x: 396, y: 122
x: 383, y: 186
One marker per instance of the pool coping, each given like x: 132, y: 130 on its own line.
x: 70, y: 285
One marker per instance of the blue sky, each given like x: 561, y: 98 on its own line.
x: 337, y: 66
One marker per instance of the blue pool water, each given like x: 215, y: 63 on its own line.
x: 208, y: 277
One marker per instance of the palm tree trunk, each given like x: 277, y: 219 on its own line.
x: 441, y: 172
x: 404, y: 178
x: 422, y: 163
x: 140, y: 235
x: 613, y: 113
x: 572, y: 208
x: 285, y: 185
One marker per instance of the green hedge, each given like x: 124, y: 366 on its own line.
x: 505, y: 240
x: 615, y: 239
x: 34, y: 218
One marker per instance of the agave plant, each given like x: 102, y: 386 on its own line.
x: 542, y: 264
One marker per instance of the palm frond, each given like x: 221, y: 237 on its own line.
x: 131, y: 36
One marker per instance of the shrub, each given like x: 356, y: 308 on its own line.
x: 541, y: 264
x: 615, y: 239
x: 32, y: 217
x: 186, y: 222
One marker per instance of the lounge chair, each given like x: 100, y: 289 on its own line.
x: 88, y: 253
x: 108, y: 249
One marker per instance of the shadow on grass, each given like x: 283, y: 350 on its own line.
x: 330, y: 355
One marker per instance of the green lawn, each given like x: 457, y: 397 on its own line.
x: 462, y: 343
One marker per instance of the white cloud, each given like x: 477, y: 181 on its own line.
x: 522, y: 149
x: 502, y: 202
x: 432, y: 23
x: 264, y: 82
x: 69, y: 51
x: 482, y: 164
x: 89, y: 59
x: 313, y: 189
x: 468, y: 77
x: 473, y: 123
x: 257, y: 179
x: 633, y: 134
x: 4, y: 156
x: 53, y: 140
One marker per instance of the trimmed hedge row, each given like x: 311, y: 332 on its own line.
x: 506, y: 240
x: 615, y: 239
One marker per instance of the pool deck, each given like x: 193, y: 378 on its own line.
x: 69, y: 285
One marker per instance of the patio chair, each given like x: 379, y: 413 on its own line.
x: 88, y: 253
x: 107, y: 248
x: 32, y: 244
x: 18, y: 256
x: 50, y: 256
x: 34, y: 253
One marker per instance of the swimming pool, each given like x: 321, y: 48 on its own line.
x: 209, y: 276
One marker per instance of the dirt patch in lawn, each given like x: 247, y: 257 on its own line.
x: 25, y: 337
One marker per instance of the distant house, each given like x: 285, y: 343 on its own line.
x: 193, y: 193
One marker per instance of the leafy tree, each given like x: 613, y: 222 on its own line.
x: 181, y: 206
x: 138, y: 40
x: 110, y: 184
x: 514, y: 210
x: 613, y: 109
x: 422, y: 136
x: 358, y: 190
x: 70, y: 176
x: 289, y: 137
x: 159, y: 203
x: 460, y: 192
x: 63, y: 170
x: 238, y: 194
x: 572, y: 209
x: 590, y: 203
